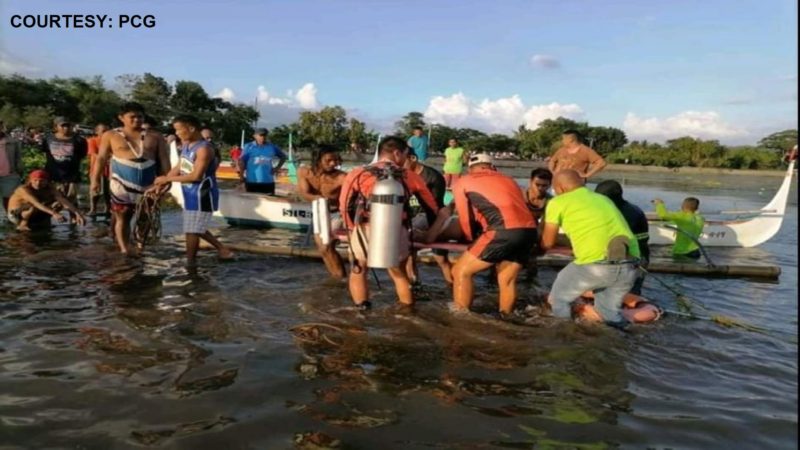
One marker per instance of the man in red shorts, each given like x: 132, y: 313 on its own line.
x: 493, y: 215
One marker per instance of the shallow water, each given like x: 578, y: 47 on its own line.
x: 99, y: 351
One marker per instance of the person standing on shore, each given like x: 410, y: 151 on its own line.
x: 419, y: 143
x: 576, y: 156
x: 454, y: 158
x: 10, y: 165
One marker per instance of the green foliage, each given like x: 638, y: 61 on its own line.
x: 153, y: 93
x: 691, y: 152
x: 405, y: 126
x: 780, y: 142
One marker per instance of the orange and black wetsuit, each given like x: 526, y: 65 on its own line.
x: 494, y: 215
x: 359, y: 183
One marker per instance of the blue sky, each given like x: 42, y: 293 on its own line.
x: 714, y: 69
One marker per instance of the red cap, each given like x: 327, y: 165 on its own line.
x: 38, y: 175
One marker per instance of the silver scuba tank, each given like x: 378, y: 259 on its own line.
x: 385, y: 223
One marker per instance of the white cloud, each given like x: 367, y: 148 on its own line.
x: 307, y: 96
x: 226, y: 94
x: 9, y: 65
x: 502, y: 115
x: 545, y: 61
x: 699, y: 124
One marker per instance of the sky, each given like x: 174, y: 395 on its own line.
x: 658, y: 70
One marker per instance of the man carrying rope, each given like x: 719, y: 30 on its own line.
x: 197, y: 174
x: 136, y: 155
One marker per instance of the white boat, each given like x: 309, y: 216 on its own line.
x: 748, y: 230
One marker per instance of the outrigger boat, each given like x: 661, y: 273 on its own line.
x: 746, y: 229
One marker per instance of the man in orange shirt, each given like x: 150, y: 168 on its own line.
x: 493, y: 215
x: 93, y: 150
x: 576, y: 156
x: 353, y: 200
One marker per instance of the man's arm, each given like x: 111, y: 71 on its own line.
x: 303, y: 188
x: 28, y: 197
x: 462, y: 209
x: 205, y: 155
x: 663, y: 214
x: 597, y: 163
x: 241, y: 163
x: 281, y: 161
x: 553, y: 162
x: 549, y: 236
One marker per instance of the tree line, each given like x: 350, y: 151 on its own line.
x: 32, y: 103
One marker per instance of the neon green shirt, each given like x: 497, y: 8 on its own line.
x: 453, y: 160
x: 590, y: 221
x: 690, y: 223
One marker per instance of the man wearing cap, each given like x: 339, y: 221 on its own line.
x: 493, y: 215
x: 34, y: 203
x: 255, y: 165
x: 64, y: 151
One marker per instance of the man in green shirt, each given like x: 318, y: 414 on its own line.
x: 606, y: 252
x: 690, y: 225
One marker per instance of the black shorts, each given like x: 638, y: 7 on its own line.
x: 514, y: 245
x: 261, y: 188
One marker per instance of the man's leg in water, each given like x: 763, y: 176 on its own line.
x: 466, y: 267
x: 357, y: 283
x: 24, y: 218
x: 333, y: 262
x: 412, y: 271
x: 402, y: 285
x: 192, y: 244
x: 122, y: 229
x: 507, y: 273
x: 223, y: 251
x: 443, y: 261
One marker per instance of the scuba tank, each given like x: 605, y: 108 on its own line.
x: 321, y: 220
x: 386, y: 204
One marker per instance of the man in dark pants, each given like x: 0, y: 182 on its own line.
x: 255, y: 164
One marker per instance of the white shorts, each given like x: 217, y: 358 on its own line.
x: 196, y: 222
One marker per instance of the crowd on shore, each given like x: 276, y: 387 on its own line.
x: 504, y: 227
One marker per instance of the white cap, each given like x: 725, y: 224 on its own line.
x: 480, y: 158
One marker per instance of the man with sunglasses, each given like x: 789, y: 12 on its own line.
x: 64, y: 151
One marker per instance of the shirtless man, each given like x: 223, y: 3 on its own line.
x: 34, y: 203
x: 576, y: 156
x: 136, y: 155
x: 324, y: 180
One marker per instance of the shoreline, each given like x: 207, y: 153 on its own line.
x: 437, y: 161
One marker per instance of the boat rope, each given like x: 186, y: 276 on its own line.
x: 684, y: 302
x: 147, y: 220
x: 685, y: 305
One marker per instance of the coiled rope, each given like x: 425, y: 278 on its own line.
x: 147, y: 221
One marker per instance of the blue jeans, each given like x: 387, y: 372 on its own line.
x: 609, y: 282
